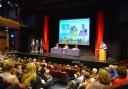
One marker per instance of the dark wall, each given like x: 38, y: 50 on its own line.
x: 115, y: 25
x: 124, y: 28
x: 33, y: 29
x: 115, y: 34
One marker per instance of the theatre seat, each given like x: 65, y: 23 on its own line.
x: 63, y: 75
x: 2, y: 84
x: 54, y: 73
x: 122, y: 87
x: 16, y: 86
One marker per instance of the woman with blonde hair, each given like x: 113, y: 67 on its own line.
x: 104, y: 80
x: 30, y: 78
x: 8, y: 65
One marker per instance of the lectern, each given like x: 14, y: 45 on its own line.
x: 102, y: 55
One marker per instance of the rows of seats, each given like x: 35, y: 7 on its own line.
x: 36, y: 74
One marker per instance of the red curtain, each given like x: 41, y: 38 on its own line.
x: 99, y: 31
x: 46, y: 35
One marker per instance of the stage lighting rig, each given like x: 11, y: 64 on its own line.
x: 0, y: 3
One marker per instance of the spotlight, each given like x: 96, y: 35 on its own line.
x: 6, y: 30
x: 9, y: 2
x: 16, y: 5
x: 0, y: 4
x: 12, y: 35
x: 6, y: 27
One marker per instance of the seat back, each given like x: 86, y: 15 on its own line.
x: 123, y: 87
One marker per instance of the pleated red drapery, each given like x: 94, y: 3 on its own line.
x: 46, y: 35
x: 99, y: 31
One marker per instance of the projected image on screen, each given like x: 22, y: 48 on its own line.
x: 75, y: 31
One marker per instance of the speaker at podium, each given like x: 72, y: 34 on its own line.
x: 102, y: 52
x: 102, y: 55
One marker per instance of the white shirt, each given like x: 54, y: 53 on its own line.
x: 103, y: 45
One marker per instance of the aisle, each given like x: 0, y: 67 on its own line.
x: 58, y: 86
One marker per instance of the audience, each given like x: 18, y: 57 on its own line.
x: 25, y: 73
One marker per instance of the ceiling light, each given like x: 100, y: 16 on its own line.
x: 8, y: 2
x: 0, y: 5
x: 16, y: 5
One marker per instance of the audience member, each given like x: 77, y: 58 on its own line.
x: 122, y: 76
x: 94, y: 73
x: 87, y: 80
x: 112, y: 71
x: 30, y: 79
x: 103, y: 80
x: 80, y: 79
x: 6, y: 75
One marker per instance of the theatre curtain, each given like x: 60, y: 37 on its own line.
x: 46, y: 35
x: 99, y: 31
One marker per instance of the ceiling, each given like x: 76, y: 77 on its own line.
x: 56, y: 4
x: 59, y: 6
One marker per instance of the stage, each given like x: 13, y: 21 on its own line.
x: 85, y: 59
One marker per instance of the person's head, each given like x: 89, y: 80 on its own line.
x: 104, y: 76
x: 19, y: 67
x: 86, y: 75
x: 102, y: 43
x: 31, y: 67
x: 43, y: 60
x: 30, y: 74
x: 34, y: 60
x: 83, y: 72
x: 76, y: 65
x: 122, y: 72
x: 77, y: 74
x: 111, y: 67
x: 94, y: 71
x: 8, y: 65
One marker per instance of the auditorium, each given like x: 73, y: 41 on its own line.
x: 63, y: 44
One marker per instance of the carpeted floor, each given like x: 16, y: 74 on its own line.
x: 58, y: 86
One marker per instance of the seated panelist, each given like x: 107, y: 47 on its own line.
x: 57, y: 46
x: 66, y: 47
x: 75, y: 48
